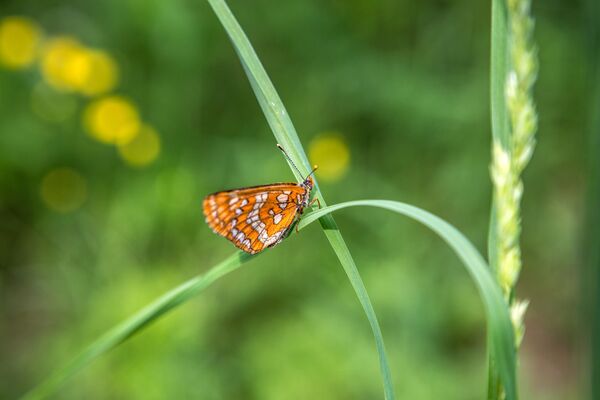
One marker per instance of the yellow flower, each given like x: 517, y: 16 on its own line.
x: 112, y: 119
x: 70, y: 66
x: 64, y: 64
x: 63, y: 190
x: 331, y: 153
x: 143, y: 149
x: 102, y: 74
x: 19, y: 41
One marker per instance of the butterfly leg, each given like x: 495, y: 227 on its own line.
x: 297, y: 223
x: 313, y: 201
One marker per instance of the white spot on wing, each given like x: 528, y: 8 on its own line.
x: 252, y: 216
x: 264, y: 236
x: 273, y: 239
x: 277, y: 218
x: 260, y: 198
x: 282, y: 198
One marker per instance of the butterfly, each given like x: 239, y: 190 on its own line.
x: 257, y: 217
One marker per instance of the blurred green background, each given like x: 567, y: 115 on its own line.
x: 118, y: 117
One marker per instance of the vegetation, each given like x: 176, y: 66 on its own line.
x: 119, y: 118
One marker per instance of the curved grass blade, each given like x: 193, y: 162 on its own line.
x: 496, y: 312
x: 500, y: 329
x: 286, y: 135
x: 137, y: 322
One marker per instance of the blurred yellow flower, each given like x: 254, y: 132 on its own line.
x: 143, y: 149
x: 331, y: 153
x: 63, y: 190
x: 64, y: 64
x: 19, y: 41
x: 68, y: 65
x: 103, y: 73
x: 112, y: 119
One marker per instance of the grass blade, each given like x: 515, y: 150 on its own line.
x: 496, y: 312
x: 500, y: 329
x: 136, y: 323
x: 286, y: 135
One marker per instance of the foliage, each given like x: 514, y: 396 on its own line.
x: 403, y: 86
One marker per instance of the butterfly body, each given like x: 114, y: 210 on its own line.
x: 257, y: 217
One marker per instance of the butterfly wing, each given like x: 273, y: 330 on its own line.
x: 254, y: 218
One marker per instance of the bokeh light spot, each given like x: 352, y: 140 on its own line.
x: 102, y: 75
x: 112, y: 119
x: 63, y: 64
x: 76, y: 68
x: 63, y: 190
x: 143, y: 149
x: 331, y: 153
x: 19, y: 41
x: 70, y: 66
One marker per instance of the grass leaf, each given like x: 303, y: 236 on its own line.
x: 498, y: 321
x: 500, y: 329
x: 286, y: 135
x: 137, y: 322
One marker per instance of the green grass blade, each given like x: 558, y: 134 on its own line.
x: 500, y: 329
x: 496, y: 312
x: 136, y: 323
x: 286, y: 135
x: 267, y: 96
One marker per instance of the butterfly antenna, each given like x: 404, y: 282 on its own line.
x: 313, y: 170
x: 288, y: 158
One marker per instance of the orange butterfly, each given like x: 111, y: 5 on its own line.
x: 258, y: 217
